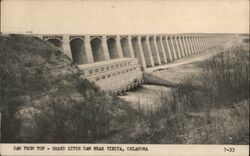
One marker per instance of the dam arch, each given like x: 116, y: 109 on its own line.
x: 112, y: 48
x: 97, y: 49
x: 125, y: 47
x: 78, y: 51
x: 56, y: 42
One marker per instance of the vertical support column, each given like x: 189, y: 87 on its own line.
x: 188, y: 45
x: 119, y: 48
x: 181, y: 47
x: 150, y: 52
x: 192, y: 42
x: 184, y: 46
x: 163, y: 50
x: 204, y: 43
x: 157, y: 51
x: 195, y: 47
x: 173, y: 48
x: 196, y: 43
x: 200, y: 44
x: 105, y: 48
x: 178, y: 46
x: 88, y: 49
x: 143, y: 61
x: 169, y: 50
x: 191, y: 45
x: 131, y: 50
x: 66, y: 46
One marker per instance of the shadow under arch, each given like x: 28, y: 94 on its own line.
x: 97, y: 50
x: 125, y: 47
x: 78, y: 51
x: 57, y: 43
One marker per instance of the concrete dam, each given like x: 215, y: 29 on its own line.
x: 116, y: 63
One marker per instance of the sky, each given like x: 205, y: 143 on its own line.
x: 125, y: 16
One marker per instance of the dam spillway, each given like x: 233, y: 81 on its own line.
x: 116, y: 62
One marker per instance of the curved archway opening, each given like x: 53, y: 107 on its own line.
x: 78, y: 51
x: 146, y: 52
x: 97, y: 49
x: 154, y: 51
x: 136, y: 49
x: 125, y: 47
x: 57, y: 43
x: 112, y: 47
